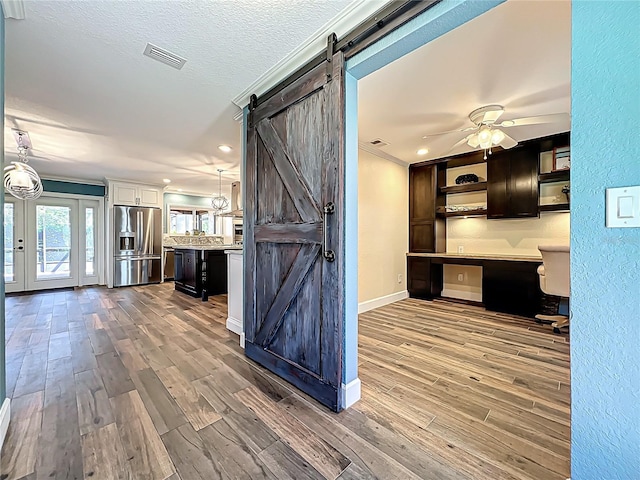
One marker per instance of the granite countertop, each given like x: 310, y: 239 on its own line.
x: 479, y: 256
x: 207, y: 247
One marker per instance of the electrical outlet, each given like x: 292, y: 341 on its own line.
x: 461, y: 277
x: 460, y: 249
x: 399, y: 278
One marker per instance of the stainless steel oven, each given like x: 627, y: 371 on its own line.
x: 237, y: 230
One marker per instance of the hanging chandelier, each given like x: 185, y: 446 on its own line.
x: 219, y: 202
x: 20, y: 180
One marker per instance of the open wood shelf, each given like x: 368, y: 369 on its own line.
x: 468, y: 213
x: 554, y: 207
x: 466, y: 187
x: 559, y: 176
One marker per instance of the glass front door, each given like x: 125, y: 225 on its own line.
x: 52, y: 243
x: 14, y: 249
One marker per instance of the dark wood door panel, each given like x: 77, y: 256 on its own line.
x: 294, y: 306
x: 524, y: 183
x: 422, y: 193
x: 422, y: 237
x: 498, y: 185
x: 512, y: 183
x: 424, y: 278
x: 511, y: 287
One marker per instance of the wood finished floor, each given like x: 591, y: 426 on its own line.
x: 146, y: 383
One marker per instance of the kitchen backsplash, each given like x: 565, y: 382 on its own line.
x: 170, y: 240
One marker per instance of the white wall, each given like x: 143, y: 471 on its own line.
x: 506, y: 237
x: 383, y: 226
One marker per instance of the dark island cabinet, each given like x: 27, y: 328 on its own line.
x: 200, y: 273
x: 186, y: 271
x: 512, y: 183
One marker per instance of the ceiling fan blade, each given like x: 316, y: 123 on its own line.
x: 460, y: 143
x: 491, y: 116
x: 537, y: 120
x: 507, y: 142
x: 468, y: 129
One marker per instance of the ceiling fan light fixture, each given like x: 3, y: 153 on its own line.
x: 497, y: 136
x: 484, y: 137
x: 472, y: 140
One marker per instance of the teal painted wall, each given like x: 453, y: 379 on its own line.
x: 58, y: 186
x: 605, y: 262
x: 3, y: 385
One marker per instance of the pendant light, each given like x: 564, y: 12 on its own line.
x: 20, y: 180
x: 219, y: 202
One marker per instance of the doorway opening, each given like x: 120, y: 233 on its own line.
x: 462, y: 363
x: 53, y: 242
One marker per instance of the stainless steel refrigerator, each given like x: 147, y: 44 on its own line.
x: 137, y: 245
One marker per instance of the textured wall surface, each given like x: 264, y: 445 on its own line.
x: 383, y: 226
x: 605, y: 262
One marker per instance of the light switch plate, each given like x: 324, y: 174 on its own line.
x: 623, y: 207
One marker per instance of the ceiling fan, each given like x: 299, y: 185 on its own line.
x: 485, y: 132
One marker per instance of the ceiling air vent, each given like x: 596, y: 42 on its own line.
x: 164, y: 56
x: 378, y: 143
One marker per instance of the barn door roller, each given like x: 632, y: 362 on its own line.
x: 332, y: 41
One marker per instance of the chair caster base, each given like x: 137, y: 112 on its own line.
x: 560, y: 324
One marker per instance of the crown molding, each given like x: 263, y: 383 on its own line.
x: 341, y: 24
x: 13, y: 9
x: 379, y: 153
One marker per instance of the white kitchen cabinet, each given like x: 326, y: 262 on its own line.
x: 235, y: 298
x: 135, y: 195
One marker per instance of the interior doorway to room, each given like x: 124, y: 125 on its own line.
x: 492, y: 385
x: 52, y: 242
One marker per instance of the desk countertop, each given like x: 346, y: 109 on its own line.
x: 478, y: 256
x: 207, y: 247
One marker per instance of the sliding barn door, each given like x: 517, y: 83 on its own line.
x: 294, y: 250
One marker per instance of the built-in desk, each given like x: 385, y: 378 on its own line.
x: 510, y: 283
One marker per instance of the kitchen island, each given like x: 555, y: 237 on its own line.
x: 201, y: 270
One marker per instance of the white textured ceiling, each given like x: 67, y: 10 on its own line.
x: 95, y: 107
x: 517, y: 55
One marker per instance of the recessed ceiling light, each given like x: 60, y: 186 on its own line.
x: 166, y: 180
x: 224, y: 148
x: 423, y: 151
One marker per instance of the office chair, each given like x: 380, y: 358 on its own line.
x: 555, y: 280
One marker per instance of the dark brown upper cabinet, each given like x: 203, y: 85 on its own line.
x: 512, y: 183
x: 424, y: 229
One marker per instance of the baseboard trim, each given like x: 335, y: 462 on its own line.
x: 5, y: 416
x: 234, y: 325
x: 351, y: 392
x: 382, y: 301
